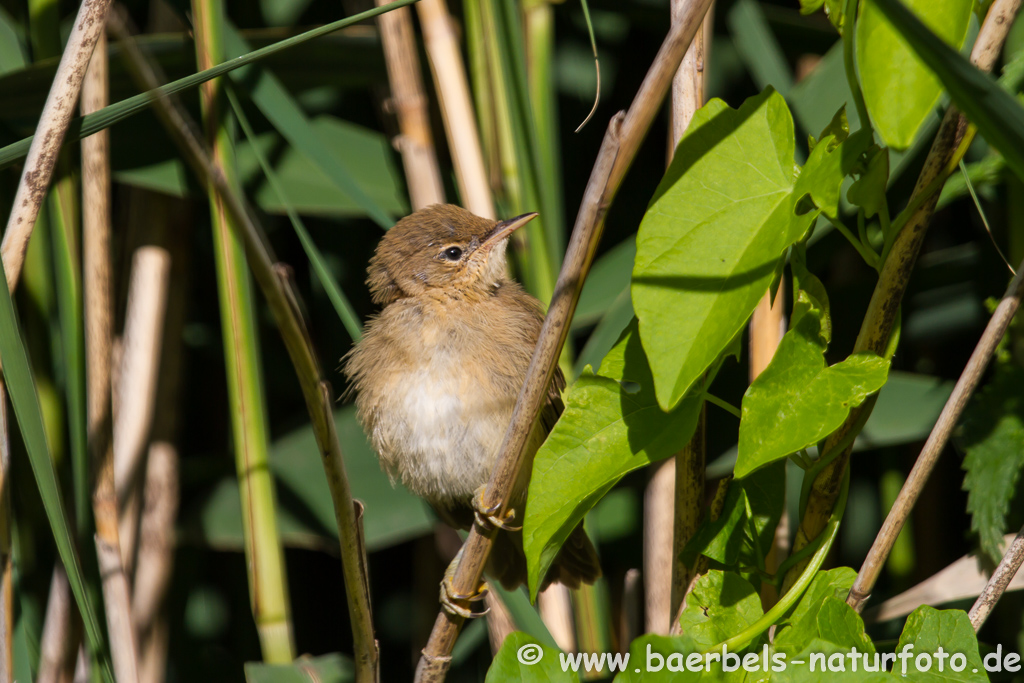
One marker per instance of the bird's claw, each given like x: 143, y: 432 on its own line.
x: 486, y: 518
x: 449, y: 596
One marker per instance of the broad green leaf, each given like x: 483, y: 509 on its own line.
x: 721, y: 605
x: 801, y: 625
x: 275, y: 102
x: 993, y: 438
x: 109, y: 115
x: 332, y: 668
x: 612, y: 425
x: 17, y: 371
x: 824, y: 662
x: 714, y: 233
x: 731, y: 538
x: 521, y: 658
x: 840, y: 624
x: 799, y: 400
x: 888, y: 66
x: 997, y: 114
x: 928, y: 629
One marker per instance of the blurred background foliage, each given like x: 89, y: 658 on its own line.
x: 340, y: 84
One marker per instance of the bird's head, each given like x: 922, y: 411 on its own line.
x: 442, y: 247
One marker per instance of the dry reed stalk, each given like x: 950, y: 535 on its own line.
x: 629, y: 614
x: 408, y: 101
x: 58, y: 643
x: 1001, y: 577
x: 885, y: 301
x: 681, y: 500
x: 156, y: 542
x: 456, y: 106
x: 98, y: 337
x: 618, y: 149
x: 316, y: 391
x: 49, y: 134
x: 937, y: 440
x: 139, y: 368
x: 155, y: 562
x: 500, y: 623
x: 659, y: 551
x: 555, y: 606
x: 767, y: 326
x: 6, y: 566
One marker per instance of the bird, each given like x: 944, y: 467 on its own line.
x: 437, y: 373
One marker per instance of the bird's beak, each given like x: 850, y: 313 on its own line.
x: 503, y: 229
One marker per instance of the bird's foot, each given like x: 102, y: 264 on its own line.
x: 448, y: 595
x: 486, y: 517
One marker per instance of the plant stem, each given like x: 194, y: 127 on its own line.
x: 416, y: 143
x: 268, y: 587
x: 315, y: 390
x: 456, y: 106
x: 96, y: 219
x: 53, y: 124
x: 877, y: 326
x: 997, y: 584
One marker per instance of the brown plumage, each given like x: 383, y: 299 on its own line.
x: 438, y: 371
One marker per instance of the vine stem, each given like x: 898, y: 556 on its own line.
x: 849, y: 38
x: 898, y: 264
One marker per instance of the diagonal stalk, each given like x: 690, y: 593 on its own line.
x: 53, y: 124
x: 1001, y: 577
x: 268, y: 588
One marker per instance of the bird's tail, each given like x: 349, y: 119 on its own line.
x: 576, y: 563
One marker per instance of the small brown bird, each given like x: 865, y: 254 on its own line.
x: 438, y: 371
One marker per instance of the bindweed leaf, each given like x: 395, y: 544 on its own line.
x: 721, y: 605
x: 715, y: 231
x: 798, y: 400
x: 888, y: 65
x: 801, y: 625
x: 927, y: 630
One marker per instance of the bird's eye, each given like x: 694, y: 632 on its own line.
x: 453, y: 253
